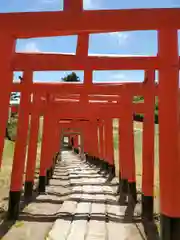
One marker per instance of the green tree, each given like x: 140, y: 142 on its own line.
x: 72, y: 77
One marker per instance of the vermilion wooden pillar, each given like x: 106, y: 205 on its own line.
x: 57, y: 138
x: 81, y: 142
x: 104, y: 140
x: 99, y: 150
x: 7, y: 48
x: 103, y: 160
x: 109, y: 147
x: 95, y: 139
x: 74, y: 6
x: 69, y: 140
x: 126, y: 147
x: 90, y: 135
x: 20, y: 148
x: 88, y: 138
x: 85, y: 134
x: 101, y: 141
x: 123, y: 165
x: 60, y: 139
x: 132, y: 197
x: 105, y: 163
x: 45, y: 148
x: 32, y: 148
x: 169, y: 148
x: 52, y: 148
x: 148, y: 147
x: 109, y: 142
x: 82, y: 51
x: 95, y: 142
x: 72, y: 141
x: 76, y: 141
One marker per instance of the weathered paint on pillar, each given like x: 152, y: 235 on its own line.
x: 169, y: 148
x: 32, y: 148
x: 20, y: 148
x: 7, y: 49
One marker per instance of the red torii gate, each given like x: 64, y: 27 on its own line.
x: 70, y: 109
x: 166, y: 21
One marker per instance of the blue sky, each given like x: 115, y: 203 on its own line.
x: 143, y: 43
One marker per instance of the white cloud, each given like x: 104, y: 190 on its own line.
x: 30, y: 47
x: 121, y: 37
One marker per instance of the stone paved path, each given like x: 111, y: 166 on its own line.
x: 79, y: 205
x: 92, y: 211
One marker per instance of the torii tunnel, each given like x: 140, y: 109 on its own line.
x: 87, y: 109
